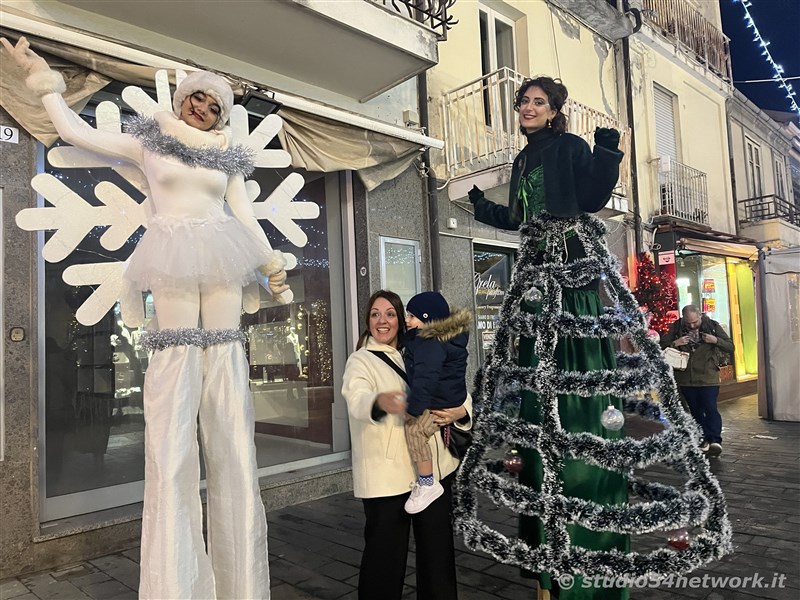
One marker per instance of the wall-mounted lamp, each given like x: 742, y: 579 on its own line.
x: 260, y: 102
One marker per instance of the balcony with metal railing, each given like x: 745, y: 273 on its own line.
x: 683, y: 191
x: 482, y: 131
x: 695, y: 35
x: 430, y: 13
x: 764, y: 208
x: 358, y: 48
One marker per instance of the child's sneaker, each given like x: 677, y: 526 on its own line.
x: 422, y: 496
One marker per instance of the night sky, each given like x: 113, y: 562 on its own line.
x: 778, y: 21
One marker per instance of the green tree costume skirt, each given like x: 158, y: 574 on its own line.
x: 578, y: 414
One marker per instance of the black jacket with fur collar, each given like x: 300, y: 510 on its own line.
x: 436, y: 363
x: 576, y: 180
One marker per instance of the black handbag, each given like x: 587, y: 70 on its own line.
x: 456, y: 440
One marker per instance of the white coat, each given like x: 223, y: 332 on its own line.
x: 381, y: 463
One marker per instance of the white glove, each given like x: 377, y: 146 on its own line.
x: 277, y: 283
x: 41, y: 78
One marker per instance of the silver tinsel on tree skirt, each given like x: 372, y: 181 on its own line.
x: 189, y: 336
x: 237, y: 160
x: 499, y: 385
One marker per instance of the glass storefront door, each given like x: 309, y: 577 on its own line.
x: 492, y: 273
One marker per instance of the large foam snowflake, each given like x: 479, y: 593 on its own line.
x: 72, y: 217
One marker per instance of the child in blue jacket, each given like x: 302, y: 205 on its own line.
x: 435, y: 355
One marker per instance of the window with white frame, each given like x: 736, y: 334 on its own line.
x: 780, y: 179
x: 498, y: 50
x: 753, y: 166
x: 400, y: 267
x: 497, y: 41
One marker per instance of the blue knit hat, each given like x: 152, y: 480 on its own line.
x: 429, y: 306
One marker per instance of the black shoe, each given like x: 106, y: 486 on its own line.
x: 714, y: 449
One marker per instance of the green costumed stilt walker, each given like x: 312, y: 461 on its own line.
x: 558, y: 399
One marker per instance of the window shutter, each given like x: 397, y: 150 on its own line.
x: 666, y: 144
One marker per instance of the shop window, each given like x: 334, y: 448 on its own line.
x: 400, y: 267
x: 492, y: 276
x: 723, y: 289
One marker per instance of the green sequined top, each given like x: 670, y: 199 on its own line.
x: 531, y: 194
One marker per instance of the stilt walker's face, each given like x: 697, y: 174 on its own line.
x: 534, y: 110
x: 200, y: 111
x: 384, y: 323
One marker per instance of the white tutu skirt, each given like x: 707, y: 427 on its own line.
x: 183, y: 252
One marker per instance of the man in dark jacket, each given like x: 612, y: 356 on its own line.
x: 703, y: 339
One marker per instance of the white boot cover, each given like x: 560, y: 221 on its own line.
x: 174, y: 563
x: 237, y: 525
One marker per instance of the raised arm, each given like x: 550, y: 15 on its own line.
x: 49, y: 85
x: 596, y: 171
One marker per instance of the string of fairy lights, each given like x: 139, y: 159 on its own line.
x: 764, y: 45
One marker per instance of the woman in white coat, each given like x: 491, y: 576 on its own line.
x: 382, y: 469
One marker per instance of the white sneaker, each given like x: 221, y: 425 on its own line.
x: 422, y: 496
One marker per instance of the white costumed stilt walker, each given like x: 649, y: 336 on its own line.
x: 203, y: 246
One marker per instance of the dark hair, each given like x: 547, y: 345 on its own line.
x: 397, y: 304
x: 556, y: 95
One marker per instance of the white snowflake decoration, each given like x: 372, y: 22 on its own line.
x: 72, y: 217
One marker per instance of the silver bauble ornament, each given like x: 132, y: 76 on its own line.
x: 533, y: 295
x: 612, y: 418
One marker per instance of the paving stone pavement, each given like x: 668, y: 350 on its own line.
x: 315, y: 547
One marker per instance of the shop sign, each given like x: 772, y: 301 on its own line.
x: 487, y: 337
x: 709, y: 305
x: 666, y: 258
x: 709, y: 286
x: 488, y: 290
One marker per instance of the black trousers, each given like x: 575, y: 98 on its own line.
x: 386, y: 537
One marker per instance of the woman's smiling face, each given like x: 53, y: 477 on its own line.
x: 384, y: 323
x: 534, y: 109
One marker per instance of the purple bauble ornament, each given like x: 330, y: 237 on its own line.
x: 513, y: 461
x: 678, y: 539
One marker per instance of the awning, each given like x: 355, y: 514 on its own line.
x: 736, y: 249
x: 318, y: 137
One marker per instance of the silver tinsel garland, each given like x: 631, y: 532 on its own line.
x: 237, y: 160
x: 499, y: 387
x: 189, y: 336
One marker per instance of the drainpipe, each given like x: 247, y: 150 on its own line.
x: 430, y: 182
x: 637, y: 216
x: 762, y: 293
x: 736, y: 226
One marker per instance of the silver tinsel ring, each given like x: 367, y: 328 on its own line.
x: 189, y: 336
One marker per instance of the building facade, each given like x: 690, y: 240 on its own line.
x: 495, y: 46
x: 345, y: 76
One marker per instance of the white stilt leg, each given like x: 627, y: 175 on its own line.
x: 174, y: 563
x: 237, y: 525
